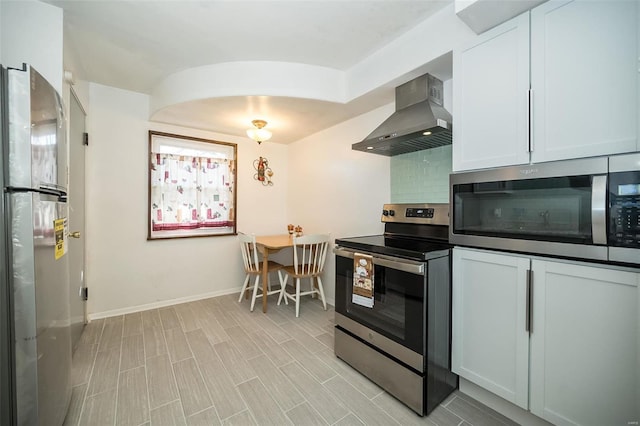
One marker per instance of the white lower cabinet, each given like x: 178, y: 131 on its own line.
x: 490, y: 345
x: 584, y: 345
x: 576, y: 362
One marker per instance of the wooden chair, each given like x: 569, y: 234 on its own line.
x: 253, y: 267
x: 309, y: 254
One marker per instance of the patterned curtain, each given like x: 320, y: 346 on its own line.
x: 191, y: 192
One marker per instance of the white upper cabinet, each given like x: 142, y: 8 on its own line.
x: 584, y: 76
x: 583, y: 69
x: 491, y: 108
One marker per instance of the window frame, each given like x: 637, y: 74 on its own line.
x: 201, y: 149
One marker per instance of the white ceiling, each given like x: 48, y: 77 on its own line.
x: 135, y: 45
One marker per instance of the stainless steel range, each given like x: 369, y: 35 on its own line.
x: 393, y: 304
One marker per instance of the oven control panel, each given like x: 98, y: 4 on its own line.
x: 431, y: 214
x: 413, y: 212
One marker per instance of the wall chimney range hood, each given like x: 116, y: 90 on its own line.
x: 420, y: 121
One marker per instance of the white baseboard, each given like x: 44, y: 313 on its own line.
x: 502, y: 406
x: 170, y: 302
x: 161, y: 304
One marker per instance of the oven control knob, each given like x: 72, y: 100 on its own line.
x: 385, y: 212
x: 392, y: 213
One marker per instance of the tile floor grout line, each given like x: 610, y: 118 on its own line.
x: 115, y: 411
x: 202, y: 411
x: 489, y: 413
x: 462, y: 419
x: 341, y: 419
x: 360, y: 392
x: 230, y: 342
x: 374, y: 396
x: 297, y: 405
x: 173, y: 374
x: 93, y: 365
x: 449, y: 402
x: 278, y: 402
x: 167, y: 403
x: 195, y: 360
x: 146, y: 373
x: 246, y: 404
x: 313, y: 354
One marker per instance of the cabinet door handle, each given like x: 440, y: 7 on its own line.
x: 530, y: 94
x: 528, y: 313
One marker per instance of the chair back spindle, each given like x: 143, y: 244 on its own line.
x: 310, y: 252
x: 249, y: 252
x: 253, y: 267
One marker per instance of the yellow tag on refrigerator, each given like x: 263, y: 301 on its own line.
x: 60, y: 230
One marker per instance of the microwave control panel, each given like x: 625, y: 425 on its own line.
x: 624, y: 199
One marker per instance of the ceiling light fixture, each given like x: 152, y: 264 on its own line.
x: 259, y: 133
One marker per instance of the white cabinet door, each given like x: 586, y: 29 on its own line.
x: 584, y: 77
x: 490, y: 103
x: 490, y: 345
x: 585, y: 360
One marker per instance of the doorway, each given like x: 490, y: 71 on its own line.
x: 77, y: 293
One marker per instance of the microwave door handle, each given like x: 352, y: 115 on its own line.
x: 599, y: 209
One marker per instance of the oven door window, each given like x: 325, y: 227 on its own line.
x: 398, y: 307
x: 549, y: 209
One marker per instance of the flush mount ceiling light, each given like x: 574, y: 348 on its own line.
x: 259, y: 133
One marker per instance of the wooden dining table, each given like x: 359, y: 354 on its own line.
x: 270, y: 244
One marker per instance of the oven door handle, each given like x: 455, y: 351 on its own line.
x: 412, y: 267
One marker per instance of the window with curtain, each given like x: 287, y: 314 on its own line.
x: 192, y: 187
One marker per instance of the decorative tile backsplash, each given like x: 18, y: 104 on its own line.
x: 421, y: 177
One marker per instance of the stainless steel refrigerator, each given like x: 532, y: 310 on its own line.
x: 35, y: 345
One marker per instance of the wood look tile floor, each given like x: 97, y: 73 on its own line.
x: 213, y: 362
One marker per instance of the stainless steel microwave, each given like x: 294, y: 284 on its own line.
x: 586, y: 208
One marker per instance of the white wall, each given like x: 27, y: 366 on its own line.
x: 482, y: 15
x: 335, y: 189
x: 31, y: 32
x: 319, y: 183
x: 409, y: 55
x: 125, y: 272
x: 71, y: 64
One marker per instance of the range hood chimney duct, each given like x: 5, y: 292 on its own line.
x: 420, y: 121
